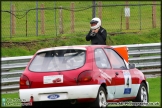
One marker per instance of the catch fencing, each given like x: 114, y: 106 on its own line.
x: 52, y: 18
x: 145, y: 56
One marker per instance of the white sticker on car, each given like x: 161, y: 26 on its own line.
x: 128, y: 82
x: 105, y: 75
x: 53, y: 79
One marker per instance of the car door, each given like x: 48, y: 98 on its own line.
x: 123, y: 80
x: 103, y: 66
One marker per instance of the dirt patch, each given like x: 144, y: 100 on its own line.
x: 26, y: 44
x: 30, y: 44
x: 17, y: 44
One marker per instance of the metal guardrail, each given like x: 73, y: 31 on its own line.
x: 145, y: 56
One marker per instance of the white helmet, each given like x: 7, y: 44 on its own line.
x: 95, y: 23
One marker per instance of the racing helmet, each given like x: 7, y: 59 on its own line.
x: 95, y: 23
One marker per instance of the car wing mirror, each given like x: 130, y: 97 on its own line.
x: 132, y: 65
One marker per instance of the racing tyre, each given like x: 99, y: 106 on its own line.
x: 142, y: 96
x: 101, y: 99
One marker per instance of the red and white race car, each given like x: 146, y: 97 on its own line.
x: 89, y: 75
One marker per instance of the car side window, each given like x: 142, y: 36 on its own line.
x: 116, y: 61
x: 101, y: 59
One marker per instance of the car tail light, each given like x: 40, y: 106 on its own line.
x: 84, y: 76
x: 24, y: 82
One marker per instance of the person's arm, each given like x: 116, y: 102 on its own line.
x: 88, y: 37
x: 104, y: 34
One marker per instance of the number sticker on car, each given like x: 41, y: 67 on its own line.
x: 128, y: 82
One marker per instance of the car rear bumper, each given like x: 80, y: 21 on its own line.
x: 60, y: 93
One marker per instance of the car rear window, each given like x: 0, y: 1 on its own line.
x: 58, y: 60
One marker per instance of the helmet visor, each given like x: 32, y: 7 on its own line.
x: 93, y: 21
x: 93, y: 24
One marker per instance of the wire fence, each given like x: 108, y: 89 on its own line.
x: 26, y: 19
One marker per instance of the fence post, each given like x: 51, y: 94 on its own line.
x: 93, y: 9
x: 55, y: 17
x: 61, y: 21
x: 13, y: 20
x: 42, y: 19
x: 127, y: 15
x: 100, y: 10
x: 10, y: 20
x: 140, y: 15
x: 72, y: 17
x: 154, y: 15
x: 121, y: 20
x: 26, y: 23
x: 36, y: 18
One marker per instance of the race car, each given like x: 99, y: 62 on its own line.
x: 82, y: 75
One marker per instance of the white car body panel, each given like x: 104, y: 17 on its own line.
x: 69, y: 92
x: 76, y: 92
x: 112, y: 89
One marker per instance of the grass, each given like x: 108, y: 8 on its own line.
x: 151, y: 36
x: 154, y: 91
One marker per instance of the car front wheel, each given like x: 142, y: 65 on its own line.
x: 101, y: 99
x: 142, y: 95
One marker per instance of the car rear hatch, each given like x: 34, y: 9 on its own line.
x: 54, y: 68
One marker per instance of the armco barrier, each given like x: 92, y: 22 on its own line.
x: 145, y: 56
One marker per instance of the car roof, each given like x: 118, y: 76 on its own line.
x: 81, y: 47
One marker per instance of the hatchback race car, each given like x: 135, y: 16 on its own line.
x: 88, y: 75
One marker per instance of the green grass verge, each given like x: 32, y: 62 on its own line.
x: 154, y: 91
x: 151, y: 36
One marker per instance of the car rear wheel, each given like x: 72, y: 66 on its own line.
x: 142, y: 95
x: 101, y: 99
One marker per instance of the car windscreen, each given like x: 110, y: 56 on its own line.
x: 58, y: 60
